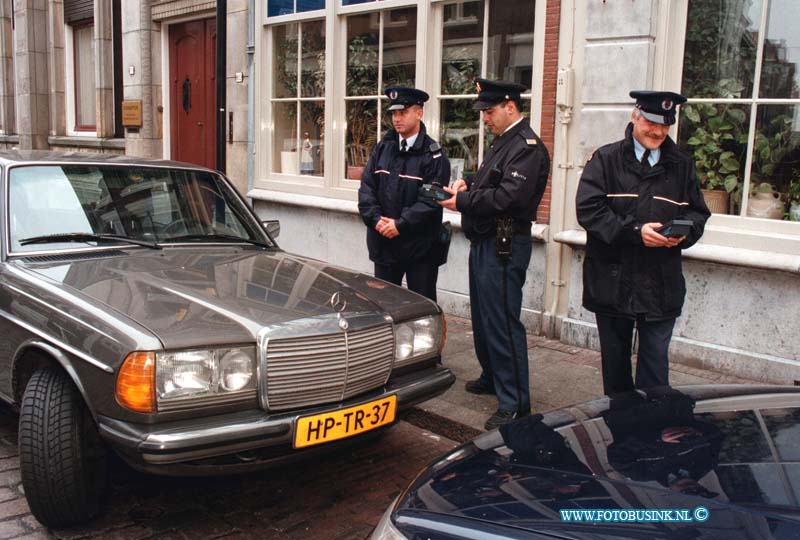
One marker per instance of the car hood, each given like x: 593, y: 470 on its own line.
x: 735, y: 455
x: 224, y: 294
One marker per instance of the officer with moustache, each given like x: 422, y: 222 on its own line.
x: 402, y: 226
x: 632, y: 274
x: 497, y: 209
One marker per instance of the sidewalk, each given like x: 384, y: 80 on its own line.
x: 560, y: 375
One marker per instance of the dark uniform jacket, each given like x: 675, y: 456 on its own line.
x: 390, y: 187
x: 616, y: 196
x: 510, y: 182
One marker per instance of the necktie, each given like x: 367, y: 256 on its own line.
x: 645, y: 161
x: 403, y: 146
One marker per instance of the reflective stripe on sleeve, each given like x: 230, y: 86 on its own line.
x: 671, y: 201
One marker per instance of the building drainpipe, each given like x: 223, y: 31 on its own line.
x: 251, y: 96
x: 222, y: 36
x: 564, y: 104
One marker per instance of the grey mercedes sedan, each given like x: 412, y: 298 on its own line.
x: 145, y: 310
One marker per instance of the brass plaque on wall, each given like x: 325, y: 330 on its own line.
x: 132, y: 113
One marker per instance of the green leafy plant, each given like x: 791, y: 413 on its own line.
x: 718, y: 142
x: 362, y: 80
x: 793, y: 194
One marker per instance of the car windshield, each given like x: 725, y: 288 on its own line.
x: 94, y: 204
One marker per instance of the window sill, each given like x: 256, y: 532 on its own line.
x: 751, y: 258
x: 538, y: 231
x: 9, y: 139
x: 87, y: 142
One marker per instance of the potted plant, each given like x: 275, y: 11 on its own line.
x: 362, y: 62
x: 718, y: 142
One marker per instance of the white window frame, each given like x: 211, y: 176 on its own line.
x: 69, y: 85
x: 429, y: 38
x: 739, y: 231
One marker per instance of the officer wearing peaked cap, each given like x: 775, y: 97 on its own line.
x: 403, y: 227
x: 497, y: 209
x: 632, y: 274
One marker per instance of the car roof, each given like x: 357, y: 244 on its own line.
x: 27, y: 157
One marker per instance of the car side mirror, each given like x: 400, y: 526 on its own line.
x: 273, y: 227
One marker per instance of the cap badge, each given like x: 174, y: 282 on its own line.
x: 478, y: 86
x: 667, y: 104
x: 393, y: 95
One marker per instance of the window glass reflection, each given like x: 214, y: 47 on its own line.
x: 510, y: 42
x: 721, y: 46
x: 309, y: 5
x: 362, y: 55
x: 459, y: 136
x: 779, y: 73
x: 312, y: 125
x: 285, y: 47
x: 280, y: 7
x: 775, y: 176
x: 362, y: 132
x: 462, y: 41
x: 312, y: 74
x: 784, y: 429
x: 285, y: 158
x: 399, y: 47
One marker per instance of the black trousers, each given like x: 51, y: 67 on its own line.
x: 420, y: 275
x: 652, y: 368
x: 495, y: 301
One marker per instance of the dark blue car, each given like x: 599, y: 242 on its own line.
x: 689, y: 463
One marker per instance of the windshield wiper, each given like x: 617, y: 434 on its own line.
x: 216, y: 237
x: 86, y: 237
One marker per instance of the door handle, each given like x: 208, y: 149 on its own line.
x: 187, y: 95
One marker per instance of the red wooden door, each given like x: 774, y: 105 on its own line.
x: 192, y: 72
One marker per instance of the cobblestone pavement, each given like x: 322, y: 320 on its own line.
x: 339, y: 497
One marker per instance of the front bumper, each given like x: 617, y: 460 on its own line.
x: 250, y: 439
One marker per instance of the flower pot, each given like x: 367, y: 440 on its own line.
x: 716, y: 200
x: 354, y: 172
x: 765, y: 204
x: 289, y: 162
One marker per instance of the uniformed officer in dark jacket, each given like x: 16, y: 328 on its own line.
x: 632, y: 274
x: 497, y: 209
x: 402, y: 227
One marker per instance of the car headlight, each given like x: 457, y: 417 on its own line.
x: 198, y: 373
x: 417, y: 340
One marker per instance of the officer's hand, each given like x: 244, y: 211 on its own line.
x: 386, y: 226
x: 450, y: 203
x: 651, y: 238
x: 459, y: 185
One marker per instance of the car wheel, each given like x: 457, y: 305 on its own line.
x: 64, y: 462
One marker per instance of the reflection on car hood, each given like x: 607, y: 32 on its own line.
x: 738, y: 455
x: 224, y: 294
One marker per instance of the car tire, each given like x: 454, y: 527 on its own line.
x: 63, y: 461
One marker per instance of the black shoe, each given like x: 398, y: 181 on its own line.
x: 501, y: 418
x: 478, y: 387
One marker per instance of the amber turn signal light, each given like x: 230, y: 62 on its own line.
x: 136, y: 382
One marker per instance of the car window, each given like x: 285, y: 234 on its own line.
x: 44, y: 192
x: 152, y: 204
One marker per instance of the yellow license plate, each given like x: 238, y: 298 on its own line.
x: 331, y: 426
